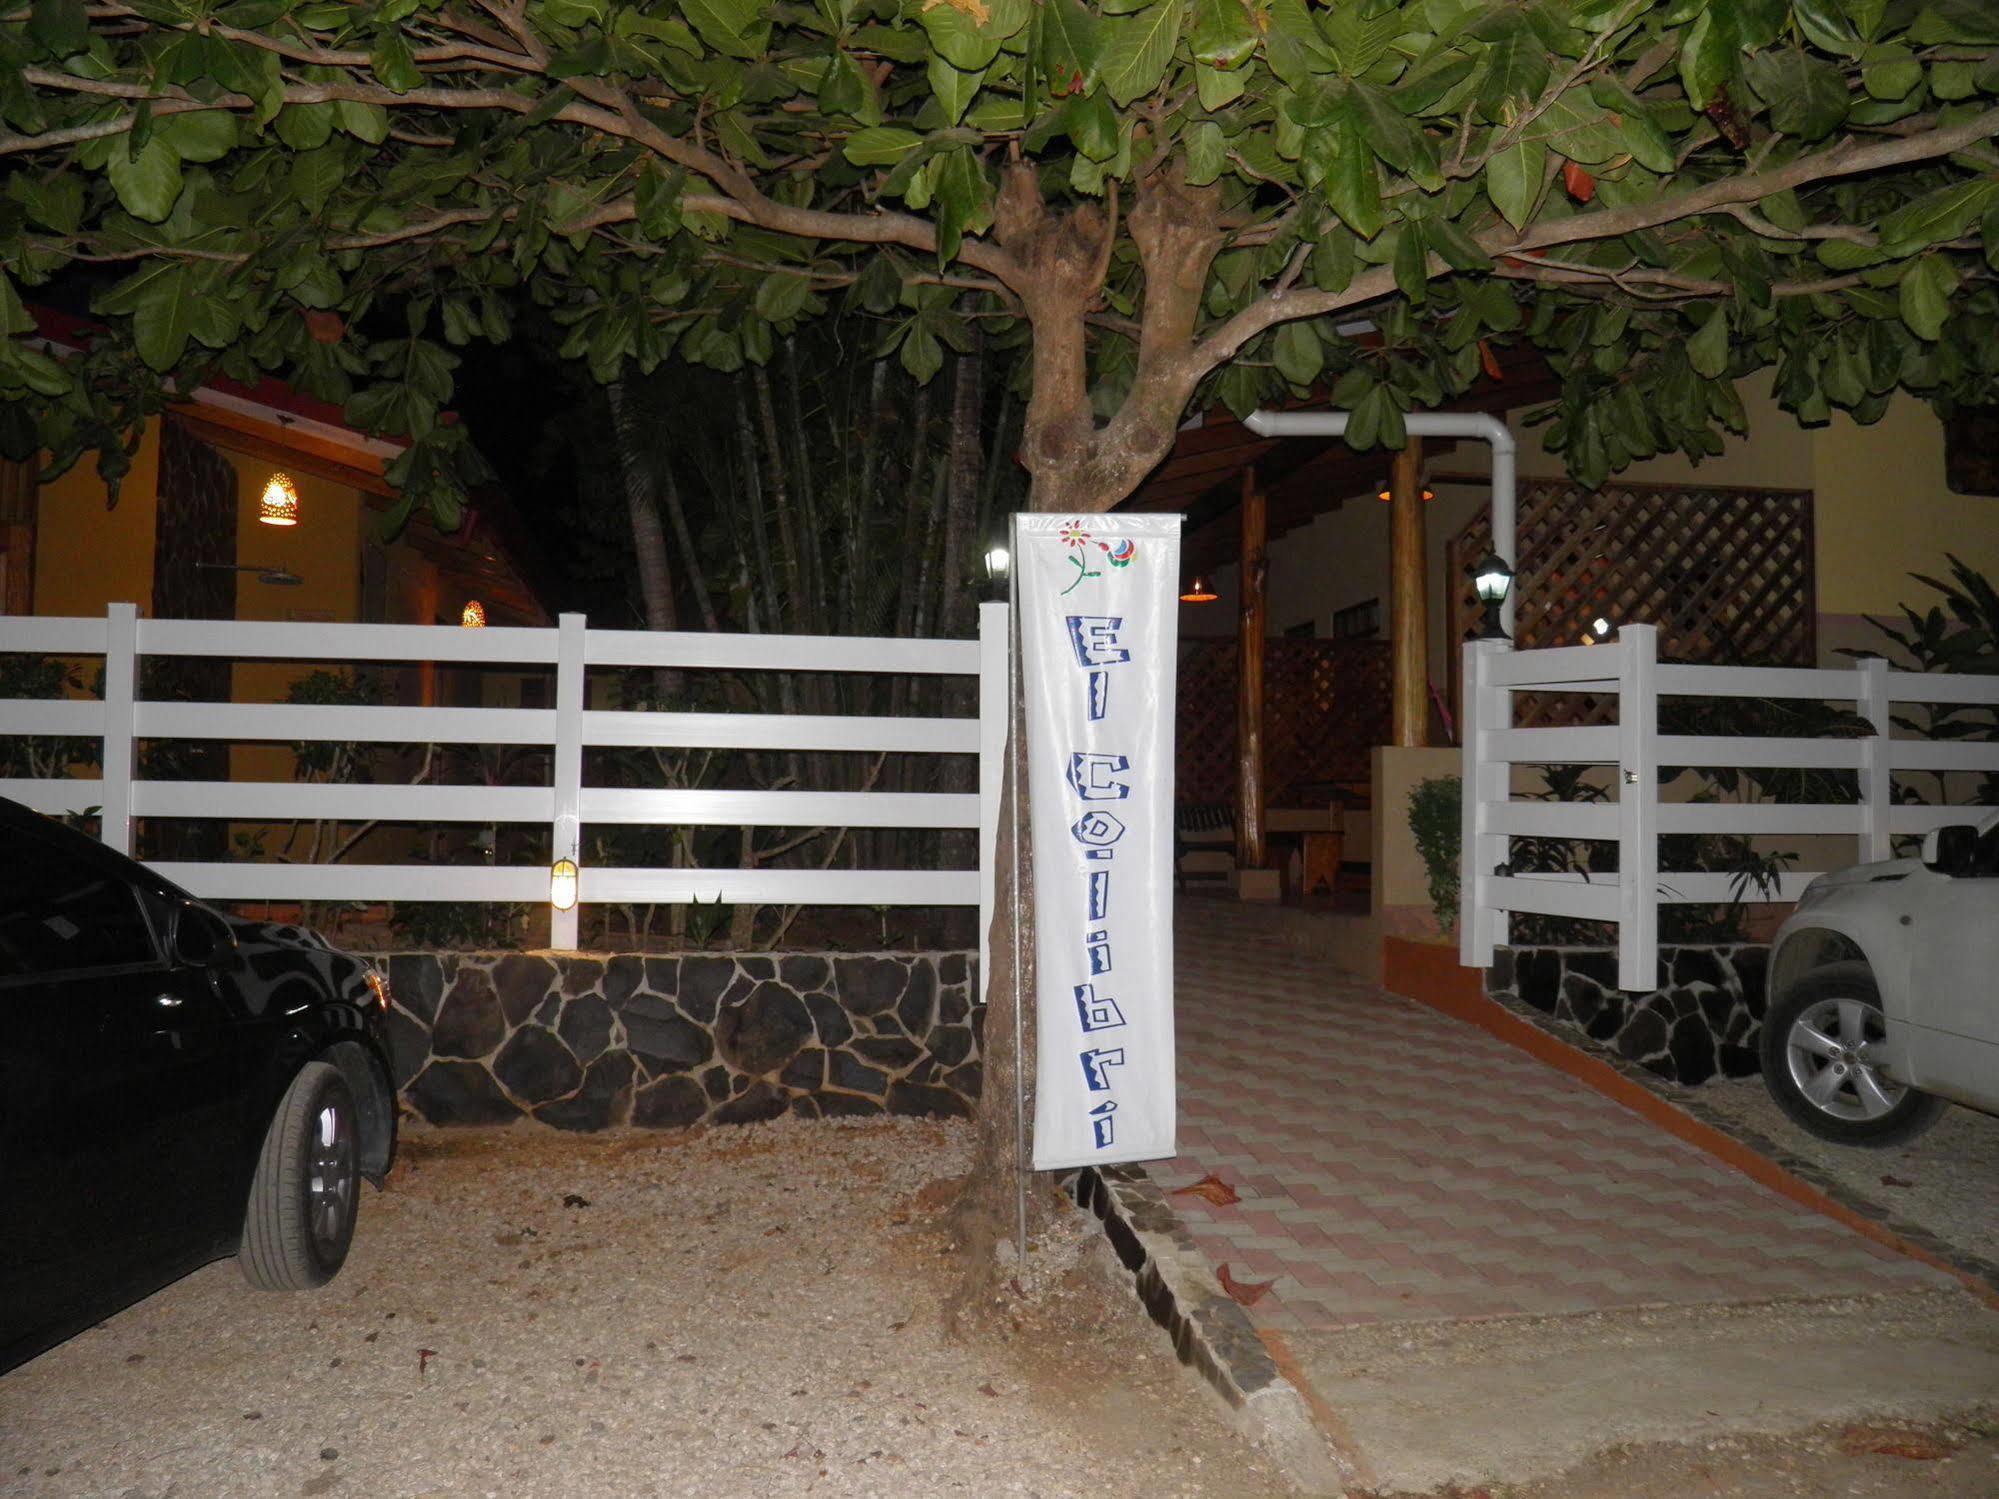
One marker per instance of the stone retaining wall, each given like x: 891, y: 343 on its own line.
x: 587, y: 1043
x: 1705, y: 1019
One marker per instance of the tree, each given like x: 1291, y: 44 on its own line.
x: 1147, y: 195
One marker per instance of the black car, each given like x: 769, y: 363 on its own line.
x: 176, y: 1085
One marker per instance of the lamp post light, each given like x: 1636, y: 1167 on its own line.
x: 1492, y: 580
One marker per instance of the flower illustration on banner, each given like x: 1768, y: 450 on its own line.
x: 1079, y: 541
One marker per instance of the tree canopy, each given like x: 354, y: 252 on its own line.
x: 1365, y: 197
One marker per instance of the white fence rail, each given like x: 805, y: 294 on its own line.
x: 120, y: 720
x: 1630, y: 670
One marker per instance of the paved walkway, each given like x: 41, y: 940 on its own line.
x: 1394, y: 1164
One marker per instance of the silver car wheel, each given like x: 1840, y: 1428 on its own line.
x: 331, y: 1175
x: 1834, y: 1053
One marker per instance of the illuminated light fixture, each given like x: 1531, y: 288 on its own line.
x: 1599, y: 629
x: 1385, y: 495
x: 998, y: 560
x: 279, y: 506
x: 474, y: 617
x: 1199, y: 592
x: 562, y: 884
x: 1492, y: 580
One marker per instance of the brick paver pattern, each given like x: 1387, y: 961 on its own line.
x: 1395, y: 1164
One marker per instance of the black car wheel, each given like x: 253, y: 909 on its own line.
x: 1822, y: 1045
x: 300, y: 1218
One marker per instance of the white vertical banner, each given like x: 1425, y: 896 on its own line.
x: 1099, y: 621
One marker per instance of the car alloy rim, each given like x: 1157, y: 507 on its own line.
x: 1834, y: 1053
x: 330, y: 1181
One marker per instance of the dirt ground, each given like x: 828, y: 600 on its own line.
x: 753, y: 1311
x: 1948, y: 1460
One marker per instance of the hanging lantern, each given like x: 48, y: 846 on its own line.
x: 1199, y: 591
x: 279, y: 506
x: 474, y: 616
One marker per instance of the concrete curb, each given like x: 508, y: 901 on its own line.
x: 1209, y: 1331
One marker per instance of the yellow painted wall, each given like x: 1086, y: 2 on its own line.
x: 1884, y: 511
x: 87, y: 556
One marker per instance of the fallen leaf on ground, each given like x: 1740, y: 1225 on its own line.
x: 1895, y: 1181
x: 575, y: 1200
x: 987, y: 1389
x: 1247, y: 1292
x: 1884, y: 1441
x: 423, y: 1358
x: 1210, y: 1188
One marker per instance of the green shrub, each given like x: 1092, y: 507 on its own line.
x: 1436, y: 809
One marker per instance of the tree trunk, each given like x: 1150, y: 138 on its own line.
x: 662, y: 610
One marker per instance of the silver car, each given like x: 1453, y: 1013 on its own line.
x: 1884, y: 992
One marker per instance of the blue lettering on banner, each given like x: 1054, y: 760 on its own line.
x: 1100, y: 894
x: 1099, y: 948
x: 1097, y: 1014
x: 1097, y: 1062
x: 1102, y: 1125
x: 1093, y: 776
x: 1094, y: 637
x: 1097, y: 831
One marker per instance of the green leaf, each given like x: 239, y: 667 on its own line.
x: 1207, y: 152
x: 1333, y: 260
x: 1581, y: 131
x: 163, y: 319
x: 147, y: 184
x: 1412, y: 263
x: 1707, y: 350
x: 880, y: 145
x: 1926, y: 290
x: 1637, y: 131
x: 367, y: 122
x: 14, y: 317
x: 1988, y: 232
x: 199, y: 135
x: 1890, y: 72
x: 1092, y: 126
x: 1071, y: 44
x: 782, y: 297
x: 1340, y: 154
x: 1826, y: 28
x: 1951, y: 81
x: 392, y: 64
x: 1222, y: 35
x: 1387, y: 129
x: 1220, y: 89
x: 725, y: 25
x: 1969, y: 22
x: 1516, y: 71
x: 953, y: 88
x: 657, y: 199
x: 921, y: 354
x: 62, y: 26
x: 960, y: 40
x: 1137, y: 49
x: 1946, y: 214
x: 1807, y: 96
x: 963, y: 199
x: 1297, y: 353
x: 1455, y: 246
x: 316, y: 175
x: 1710, y: 54
x: 1513, y: 180
x: 303, y: 126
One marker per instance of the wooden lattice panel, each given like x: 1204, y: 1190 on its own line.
x: 1725, y: 574
x: 1325, y: 705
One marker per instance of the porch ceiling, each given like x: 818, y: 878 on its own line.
x: 1302, y: 477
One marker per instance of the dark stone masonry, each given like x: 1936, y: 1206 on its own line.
x: 1704, y: 1020
x: 584, y: 1043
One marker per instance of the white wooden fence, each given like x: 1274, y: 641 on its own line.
x: 565, y: 805
x: 1630, y: 669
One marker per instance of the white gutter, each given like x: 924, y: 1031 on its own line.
x: 1488, y: 429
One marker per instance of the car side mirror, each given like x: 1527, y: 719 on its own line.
x: 1951, y: 850
x: 201, y: 938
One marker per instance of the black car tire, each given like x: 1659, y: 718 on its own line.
x: 300, y: 1217
x: 1912, y: 1112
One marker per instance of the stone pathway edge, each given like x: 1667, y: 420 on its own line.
x: 1212, y: 1335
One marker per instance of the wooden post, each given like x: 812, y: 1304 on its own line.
x: 1249, y: 676
x: 1408, y: 622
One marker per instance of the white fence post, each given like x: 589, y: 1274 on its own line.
x: 1487, y: 782
x: 567, y: 776
x: 1638, y: 807
x: 121, y: 686
x: 994, y: 639
x: 1876, y: 780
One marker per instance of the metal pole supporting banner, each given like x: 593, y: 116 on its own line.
x: 1023, y: 1163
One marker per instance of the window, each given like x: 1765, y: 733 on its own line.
x: 59, y: 913
x: 1360, y: 622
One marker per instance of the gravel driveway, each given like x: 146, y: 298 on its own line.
x: 751, y: 1311
x: 1945, y: 1181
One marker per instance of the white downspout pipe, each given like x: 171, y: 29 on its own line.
x: 1477, y: 424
